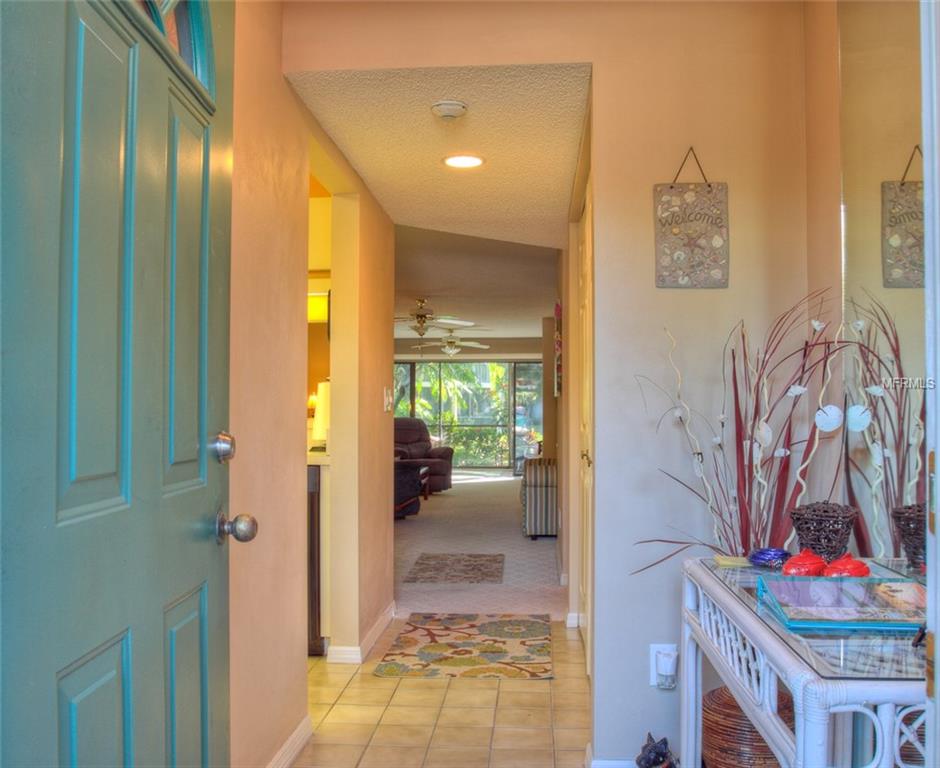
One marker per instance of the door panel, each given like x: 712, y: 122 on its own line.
x: 96, y: 260
x: 95, y: 707
x: 187, y: 679
x: 114, y: 376
x: 185, y: 311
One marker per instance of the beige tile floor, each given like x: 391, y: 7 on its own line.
x: 364, y: 721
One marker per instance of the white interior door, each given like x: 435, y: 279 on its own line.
x: 586, y: 408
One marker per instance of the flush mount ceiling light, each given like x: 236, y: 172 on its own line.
x: 463, y: 161
x: 449, y: 109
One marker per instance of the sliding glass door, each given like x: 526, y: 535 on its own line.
x: 488, y: 412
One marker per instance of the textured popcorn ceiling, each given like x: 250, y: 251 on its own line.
x: 524, y: 120
x: 505, y: 288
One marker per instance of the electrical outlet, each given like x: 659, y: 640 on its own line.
x: 671, y: 647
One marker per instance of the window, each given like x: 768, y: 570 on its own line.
x: 490, y: 413
x: 185, y: 25
x: 403, y: 389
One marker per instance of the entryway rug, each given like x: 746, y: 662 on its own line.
x: 457, y: 568
x: 502, y: 645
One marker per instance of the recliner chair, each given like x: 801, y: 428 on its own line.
x: 413, y: 445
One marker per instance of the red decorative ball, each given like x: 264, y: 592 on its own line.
x: 807, y: 563
x: 847, y: 566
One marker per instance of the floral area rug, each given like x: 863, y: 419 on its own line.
x: 503, y: 645
x: 457, y: 569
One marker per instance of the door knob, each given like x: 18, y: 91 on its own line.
x: 240, y: 527
x: 224, y: 447
x: 587, y: 457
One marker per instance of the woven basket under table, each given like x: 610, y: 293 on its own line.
x: 729, y: 740
x: 824, y: 527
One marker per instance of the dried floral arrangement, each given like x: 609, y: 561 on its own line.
x: 888, y: 458
x: 751, y: 467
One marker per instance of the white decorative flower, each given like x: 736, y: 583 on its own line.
x: 765, y: 434
x: 796, y: 390
x: 677, y: 414
x: 722, y: 418
x: 818, y: 325
x: 858, y: 325
x: 716, y: 441
x: 875, y: 390
x: 829, y: 418
x: 781, y: 453
x: 857, y: 418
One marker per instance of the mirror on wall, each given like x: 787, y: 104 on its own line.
x: 883, y: 226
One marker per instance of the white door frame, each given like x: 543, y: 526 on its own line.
x: 930, y: 101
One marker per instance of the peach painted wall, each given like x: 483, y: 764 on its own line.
x: 268, y: 412
x: 824, y: 206
x: 725, y: 77
x: 881, y: 123
x: 376, y: 440
x: 276, y: 144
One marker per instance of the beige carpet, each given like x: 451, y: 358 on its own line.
x: 481, y: 514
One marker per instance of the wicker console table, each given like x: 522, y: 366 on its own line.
x: 858, y: 698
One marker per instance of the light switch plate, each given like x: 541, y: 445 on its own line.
x: 658, y: 647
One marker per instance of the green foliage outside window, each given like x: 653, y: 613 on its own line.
x: 467, y: 405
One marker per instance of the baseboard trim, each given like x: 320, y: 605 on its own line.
x: 356, y: 654
x: 571, y: 621
x: 343, y: 654
x: 592, y: 762
x: 289, y: 750
x: 384, y: 619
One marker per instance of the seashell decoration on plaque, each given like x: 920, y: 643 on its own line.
x: 902, y: 234
x: 691, y: 235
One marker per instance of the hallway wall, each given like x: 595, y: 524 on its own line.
x: 276, y: 143
x: 268, y: 412
x: 727, y: 78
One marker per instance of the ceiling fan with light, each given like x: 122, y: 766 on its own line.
x: 422, y: 318
x: 450, y: 344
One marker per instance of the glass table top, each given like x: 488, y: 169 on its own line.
x: 845, y: 655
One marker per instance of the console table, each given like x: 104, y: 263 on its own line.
x: 859, y: 699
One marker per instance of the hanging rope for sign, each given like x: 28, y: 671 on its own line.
x: 700, y: 169
x: 915, y: 151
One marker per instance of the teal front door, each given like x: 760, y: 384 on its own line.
x: 116, y: 164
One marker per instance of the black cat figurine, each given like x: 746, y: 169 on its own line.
x: 656, y: 754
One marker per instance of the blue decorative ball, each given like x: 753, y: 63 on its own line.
x: 769, y: 557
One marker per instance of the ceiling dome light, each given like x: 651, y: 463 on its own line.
x: 449, y: 109
x: 463, y: 161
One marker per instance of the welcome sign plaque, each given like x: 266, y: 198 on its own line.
x: 691, y: 223
x: 902, y: 234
